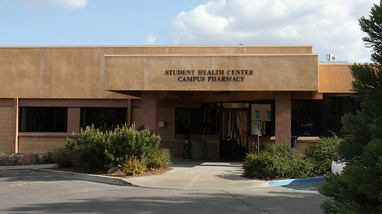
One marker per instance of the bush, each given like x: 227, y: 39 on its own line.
x: 124, y: 142
x: 63, y: 157
x: 159, y: 159
x: 98, y: 150
x: 90, y: 145
x: 47, y: 158
x: 134, y: 166
x: 276, y: 162
x: 321, y: 153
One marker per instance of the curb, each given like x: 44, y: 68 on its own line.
x: 87, y: 177
x: 295, y: 181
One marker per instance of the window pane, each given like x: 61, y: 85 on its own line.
x: 196, y: 120
x: 211, y: 122
x: 306, y: 117
x: 43, y: 119
x: 336, y: 105
x: 269, y: 115
x: 257, y: 114
x: 182, y: 121
x: 103, y: 118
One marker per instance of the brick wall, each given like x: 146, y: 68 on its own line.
x: 7, y: 129
x: 175, y: 146
x: 283, y: 116
x: 167, y: 115
x: 136, y: 116
x: 40, y: 145
x: 167, y: 133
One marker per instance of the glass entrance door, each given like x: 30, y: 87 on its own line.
x: 234, y: 134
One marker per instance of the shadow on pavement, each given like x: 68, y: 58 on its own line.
x: 26, y: 175
x: 223, y: 202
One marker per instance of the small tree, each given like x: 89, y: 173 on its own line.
x: 359, y: 188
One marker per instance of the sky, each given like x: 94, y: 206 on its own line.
x: 330, y: 26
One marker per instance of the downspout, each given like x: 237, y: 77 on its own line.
x: 17, y: 127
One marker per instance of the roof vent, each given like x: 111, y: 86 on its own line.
x: 331, y: 57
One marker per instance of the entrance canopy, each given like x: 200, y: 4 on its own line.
x: 212, y: 72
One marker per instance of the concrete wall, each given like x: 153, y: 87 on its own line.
x: 77, y: 77
x: 79, y: 72
x: 335, y: 78
x: 262, y: 72
x: 52, y: 72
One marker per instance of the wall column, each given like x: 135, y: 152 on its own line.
x: 150, y: 110
x: 283, y: 115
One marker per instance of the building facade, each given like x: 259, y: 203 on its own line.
x: 230, y: 100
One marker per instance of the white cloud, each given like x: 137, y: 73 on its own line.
x: 330, y: 26
x: 69, y: 4
x: 151, y: 39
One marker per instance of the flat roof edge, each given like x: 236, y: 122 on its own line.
x: 153, y: 46
x: 135, y: 55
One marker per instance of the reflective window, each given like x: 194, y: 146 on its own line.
x: 188, y: 120
x: 336, y: 105
x: 103, y: 118
x: 43, y: 119
x: 306, y: 117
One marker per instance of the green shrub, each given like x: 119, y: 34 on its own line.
x: 47, y: 158
x: 98, y: 150
x: 90, y: 145
x: 276, y: 162
x: 124, y: 142
x: 134, y: 166
x: 321, y: 153
x: 159, y: 159
x: 252, y: 165
x: 63, y: 157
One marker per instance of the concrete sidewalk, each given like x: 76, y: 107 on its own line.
x: 185, y: 175
x: 201, y: 175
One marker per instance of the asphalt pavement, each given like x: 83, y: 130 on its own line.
x: 35, y: 190
x: 190, y: 174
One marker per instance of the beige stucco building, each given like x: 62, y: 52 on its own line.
x: 223, y: 96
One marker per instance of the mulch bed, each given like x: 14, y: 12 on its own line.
x: 117, y: 174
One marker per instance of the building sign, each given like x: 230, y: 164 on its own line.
x: 211, y: 72
x: 209, y: 75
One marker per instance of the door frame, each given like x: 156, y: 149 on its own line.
x: 232, y: 151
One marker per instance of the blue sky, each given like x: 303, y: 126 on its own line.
x: 331, y: 26
x: 99, y: 22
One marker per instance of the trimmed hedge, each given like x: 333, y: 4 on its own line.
x: 277, y: 162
